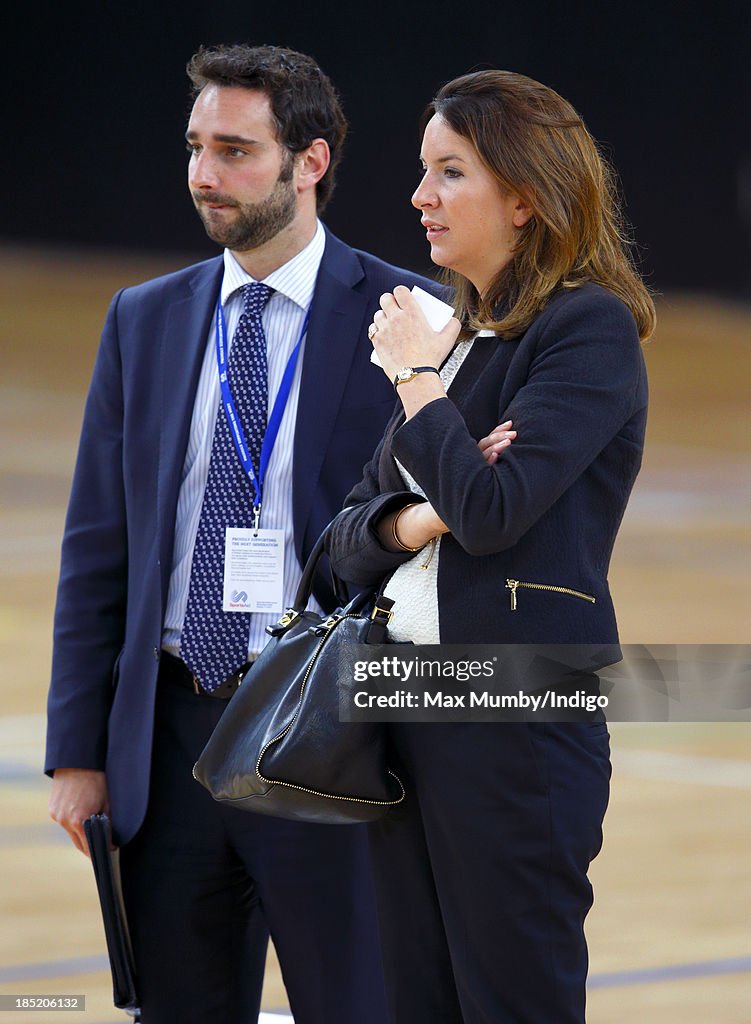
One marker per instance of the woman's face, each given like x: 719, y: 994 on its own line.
x: 470, y: 222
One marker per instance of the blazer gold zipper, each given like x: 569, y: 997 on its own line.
x: 513, y: 585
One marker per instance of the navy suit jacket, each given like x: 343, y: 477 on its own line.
x: 117, y: 548
x: 547, y: 513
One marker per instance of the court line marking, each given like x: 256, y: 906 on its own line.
x: 690, y: 769
x: 15, y: 771
x: 267, y: 1017
x: 37, y: 834
x: 22, y: 755
x: 55, y: 968
x: 671, y: 972
x: 651, y: 765
x: 613, y: 979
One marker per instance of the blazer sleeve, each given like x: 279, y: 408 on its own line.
x: 354, y: 548
x: 90, y: 610
x: 583, y: 385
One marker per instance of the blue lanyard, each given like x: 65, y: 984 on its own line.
x: 277, y: 412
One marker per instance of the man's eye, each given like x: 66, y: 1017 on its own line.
x: 191, y: 148
x: 233, y: 151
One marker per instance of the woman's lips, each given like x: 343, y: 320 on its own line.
x: 434, y: 230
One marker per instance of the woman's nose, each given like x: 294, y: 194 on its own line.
x: 423, y: 195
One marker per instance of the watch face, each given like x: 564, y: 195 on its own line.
x: 405, y: 373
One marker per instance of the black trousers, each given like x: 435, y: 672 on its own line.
x: 482, y: 872
x: 204, y: 885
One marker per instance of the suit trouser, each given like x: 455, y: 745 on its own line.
x: 482, y: 872
x: 204, y: 885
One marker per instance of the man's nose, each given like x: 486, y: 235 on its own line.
x: 202, y: 171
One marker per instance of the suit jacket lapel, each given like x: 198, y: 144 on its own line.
x: 337, y: 318
x: 183, y: 345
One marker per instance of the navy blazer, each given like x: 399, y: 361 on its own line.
x: 547, y: 513
x: 119, y: 534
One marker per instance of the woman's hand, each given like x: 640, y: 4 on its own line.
x: 420, y: 523
x: 404, y: 337
x: 499, y: 438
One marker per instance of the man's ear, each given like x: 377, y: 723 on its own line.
x: 312, y: 164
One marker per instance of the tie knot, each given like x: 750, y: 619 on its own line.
x: 255, y: 296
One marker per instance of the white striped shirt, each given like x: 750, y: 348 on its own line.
x: 283, y: 317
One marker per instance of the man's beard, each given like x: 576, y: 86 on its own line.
x: 254, y: 223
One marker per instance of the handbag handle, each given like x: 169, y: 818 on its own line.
x: 305, y: 586
x: 380, y: 616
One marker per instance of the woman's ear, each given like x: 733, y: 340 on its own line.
x: 522, y: 213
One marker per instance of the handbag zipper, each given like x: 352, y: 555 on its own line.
x: 513, y: 585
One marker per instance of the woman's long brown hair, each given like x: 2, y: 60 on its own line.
x: 537, y: 147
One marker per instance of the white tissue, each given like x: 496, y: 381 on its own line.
x: 437, y: 313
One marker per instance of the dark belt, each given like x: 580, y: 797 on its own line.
x: 173, y: 670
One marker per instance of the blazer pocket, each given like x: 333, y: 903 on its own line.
x: 516, y: 585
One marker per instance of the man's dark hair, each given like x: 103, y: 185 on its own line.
x: 304, y: 103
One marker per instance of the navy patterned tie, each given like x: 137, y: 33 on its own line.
x: 214, y: 643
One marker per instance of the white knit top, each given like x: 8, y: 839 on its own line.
x: 414, y: 585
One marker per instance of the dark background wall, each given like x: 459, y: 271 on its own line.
x: 96, y: 103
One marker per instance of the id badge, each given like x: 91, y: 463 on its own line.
x: 253, y: 570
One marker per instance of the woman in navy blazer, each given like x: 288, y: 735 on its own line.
x: 482, y: 872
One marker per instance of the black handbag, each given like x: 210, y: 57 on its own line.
x: 280, y: 748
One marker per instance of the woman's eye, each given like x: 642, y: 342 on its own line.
x: 451, y: 172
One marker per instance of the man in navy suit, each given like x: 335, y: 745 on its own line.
x: 129, y: 710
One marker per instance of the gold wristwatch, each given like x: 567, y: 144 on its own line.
x: 410, y: 372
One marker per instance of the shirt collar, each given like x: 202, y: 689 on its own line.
x: 295, y: 279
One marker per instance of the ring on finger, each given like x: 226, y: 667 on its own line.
x: 372, y: 331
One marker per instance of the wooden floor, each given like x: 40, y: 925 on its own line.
x: 670, y: 933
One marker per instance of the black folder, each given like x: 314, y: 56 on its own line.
x: 105, y: 862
